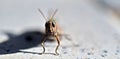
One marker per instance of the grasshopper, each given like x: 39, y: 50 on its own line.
x: 51, y: 29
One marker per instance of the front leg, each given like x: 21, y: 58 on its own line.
x: 42, y: 44
x: 58, y: 41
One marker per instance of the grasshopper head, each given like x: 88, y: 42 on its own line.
x: 50, y: 26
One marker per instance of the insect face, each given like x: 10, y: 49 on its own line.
x: 50, y: 26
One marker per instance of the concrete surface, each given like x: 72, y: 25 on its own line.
x: 94, y: 27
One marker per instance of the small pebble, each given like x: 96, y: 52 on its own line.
x: 102, y: 55
x: 105, y: 51
x: 64, y: 47
x: 77, y: 58
x: 117, y: 51
x: 116, y: 54
x: 89, y: 53
x: 82, y: 50
x: 88, y: 58
x: 65, y: 52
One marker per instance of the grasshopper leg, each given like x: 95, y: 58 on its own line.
x: 58, y: 41
x: 42, y: 44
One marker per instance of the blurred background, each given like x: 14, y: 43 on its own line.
x: 91, y: 23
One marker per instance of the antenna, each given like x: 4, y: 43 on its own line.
x: 42, y: 14
x: 53, y: 14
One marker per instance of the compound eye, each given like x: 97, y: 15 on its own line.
x: 53, y: 24
x: 47, y: 25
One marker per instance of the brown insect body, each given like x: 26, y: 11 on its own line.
x: 51, y: 29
